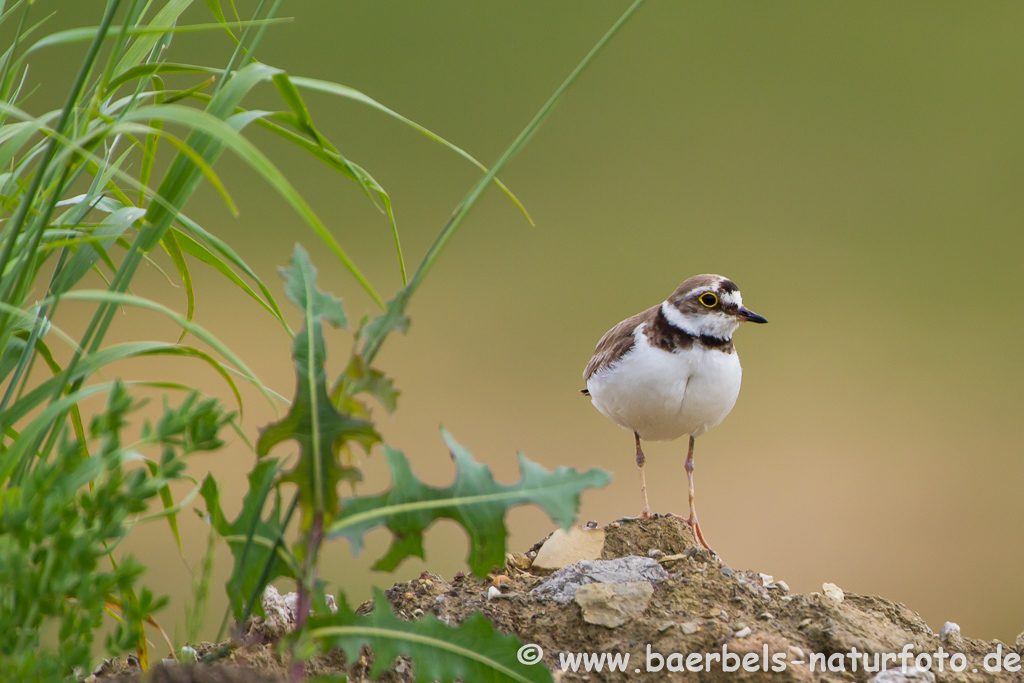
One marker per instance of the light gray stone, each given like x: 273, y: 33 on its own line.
x: 561, y: 586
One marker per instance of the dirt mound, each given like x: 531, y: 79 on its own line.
x: 685, y: 617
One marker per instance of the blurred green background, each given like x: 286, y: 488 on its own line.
x: 855, y: 167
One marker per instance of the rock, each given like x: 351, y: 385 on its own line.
x: 517, y: 561
x: 765, y: 616
x: 743, y: 632
x: 500, y: 580
x: 726, y: 572
x: 689, y: 627
x: 564, y: 548
x: 833, y: 592
x: 1019, y: 642
x: 767, y: 580
x: 493, y: 592
x: 613, y: 604
x: 561, y: 586
x: 782, y: 586
x: 898, y: 675
x: 950, y: 634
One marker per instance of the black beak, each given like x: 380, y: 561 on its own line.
x: 750, y: 316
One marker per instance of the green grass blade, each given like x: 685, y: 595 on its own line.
x: 170, y: 245
x: 225, y: 134
x: 353, y: 94
x: 121, y: 299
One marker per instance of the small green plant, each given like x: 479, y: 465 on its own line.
x: 59, y: 525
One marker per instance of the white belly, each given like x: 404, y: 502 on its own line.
x: 663, y: 395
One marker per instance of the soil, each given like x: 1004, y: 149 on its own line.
x: 702, y: 607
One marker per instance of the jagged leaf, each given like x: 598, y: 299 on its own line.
x: 373, y: 333
x: 252, y: 536
x: 474, y: 500
x: 472, y: 651
x: 319, y: 428
x: 300, y: 288
x: 360, y: 378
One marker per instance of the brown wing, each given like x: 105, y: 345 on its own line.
x: 617, y: 342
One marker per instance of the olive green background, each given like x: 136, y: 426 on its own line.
x: 855, y: 167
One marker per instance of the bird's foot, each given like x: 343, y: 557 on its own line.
x: 694, y: 525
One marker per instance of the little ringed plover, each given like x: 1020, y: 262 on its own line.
x: 672, y: 370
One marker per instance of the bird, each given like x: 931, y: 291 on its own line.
x: 672, y: 371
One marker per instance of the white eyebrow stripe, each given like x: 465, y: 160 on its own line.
x: 731, y: 298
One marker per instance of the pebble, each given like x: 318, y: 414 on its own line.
x: 666, y: 626
x: 833, y: 592
x: 950, y: 630
x: 743, y: 632
x: 655, y: 552
x: 501, y: 580
x: 805, y: 623
x: 714, y: 612
x: 765, y: 616
x: 590, y: 525
x: 493, y: 592
x: 689, y: 628
x: 188, y: 654
x: 782, y: 586
x: 417, y: 613
x: 726, y: 572
x: 767, y: 580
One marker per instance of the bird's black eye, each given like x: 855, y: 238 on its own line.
x: 708, y: 299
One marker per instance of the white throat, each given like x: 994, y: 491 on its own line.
x: 711, y: 324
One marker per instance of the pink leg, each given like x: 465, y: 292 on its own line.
x: 640, y: 459
x: 692, y: 520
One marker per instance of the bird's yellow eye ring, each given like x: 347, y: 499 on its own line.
x: 708, y: 299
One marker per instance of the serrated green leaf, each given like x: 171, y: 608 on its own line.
x: 474, y: 500
x: 359, y: 378
x: 300, y: 288
x: 373, y: 333
x: 251, y: 537
x: 472, y: 651
x: 319, y: 428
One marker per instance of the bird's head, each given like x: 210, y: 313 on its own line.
x: 708, y: 305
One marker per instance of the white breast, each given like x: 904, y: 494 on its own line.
x: 664, y: 395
